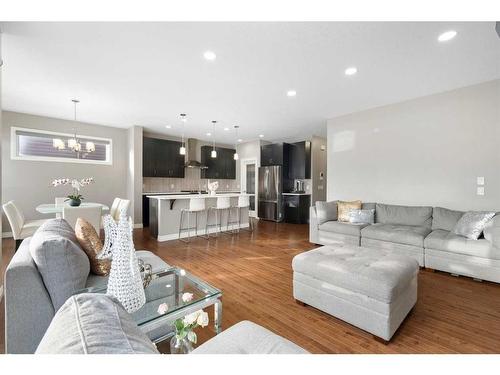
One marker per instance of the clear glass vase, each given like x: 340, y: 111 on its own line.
x: 180, y: 346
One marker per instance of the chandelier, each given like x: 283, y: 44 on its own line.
x: 74, y: 143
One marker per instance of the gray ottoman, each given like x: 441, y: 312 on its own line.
x: 372, y: 289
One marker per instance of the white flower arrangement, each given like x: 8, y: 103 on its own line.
x: 75, y: 184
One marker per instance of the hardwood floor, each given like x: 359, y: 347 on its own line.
x: 453, y: 315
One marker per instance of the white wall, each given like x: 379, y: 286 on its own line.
x: 426, y: 151
x: 28, y: 182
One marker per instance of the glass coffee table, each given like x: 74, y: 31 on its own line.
x: 168, y: 286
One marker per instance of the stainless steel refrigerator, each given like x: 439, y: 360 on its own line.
x: 270, y: 193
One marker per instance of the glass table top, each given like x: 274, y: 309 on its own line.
x: 172, y: 286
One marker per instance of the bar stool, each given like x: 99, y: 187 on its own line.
x: 243, y: 202
x: 196, y: 205
x: 223, y: 204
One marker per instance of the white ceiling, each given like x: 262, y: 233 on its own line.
x: 147, y: 73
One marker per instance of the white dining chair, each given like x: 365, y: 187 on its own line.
x: 21, y: 228
x: 60, y: 202
x: 117, y: 206
x: 113, y: 211
x: 90, y: 214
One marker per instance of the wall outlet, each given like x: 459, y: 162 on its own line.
x: 480, y: 181
x: 320, y: 187
x: 480, y: 190
x: 172, y: 186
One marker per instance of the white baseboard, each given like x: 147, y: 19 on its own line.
x: 6, y: 234
x: 175, y: 236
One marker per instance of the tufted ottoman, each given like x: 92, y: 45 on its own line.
x: 372, y: 289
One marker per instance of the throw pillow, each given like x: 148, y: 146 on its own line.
x: 472, y: 223
x: 60, y: 260
x: 93, y: 323
x: 345, y: 207
x: 326, y: 211
x: 91, y: 243
x: 362, y: 216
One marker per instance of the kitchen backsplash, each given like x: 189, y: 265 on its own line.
x: 191, y: 181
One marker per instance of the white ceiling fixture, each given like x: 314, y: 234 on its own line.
x: 291, y: 93
x: 209, y: 55
x: 397, y: 60
x: 240, y: 140
x: 209, y: 134
x: 226, y: 129
x: 351, y: 71
x: 446, y: 36
x: 261, y: 135
x: 168, y: 126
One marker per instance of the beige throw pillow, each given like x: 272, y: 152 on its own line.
x: 345, y: 207
x: 91, y: 243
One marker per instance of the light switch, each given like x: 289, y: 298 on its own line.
x: 480, y: 190
x: 480, y: 181
x: 172, y: 186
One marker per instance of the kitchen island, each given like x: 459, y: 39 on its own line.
x: 165, y: 214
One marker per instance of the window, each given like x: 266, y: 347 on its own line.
x: 33, y: 144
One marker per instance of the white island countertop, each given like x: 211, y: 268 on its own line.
x: 189, y: 196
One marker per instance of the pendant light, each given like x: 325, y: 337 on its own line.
x: 214, y: 152
x: 236, y: 156
x: 182, y: 150
x: 74, y: 143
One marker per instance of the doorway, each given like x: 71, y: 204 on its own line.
x: 249, y: 181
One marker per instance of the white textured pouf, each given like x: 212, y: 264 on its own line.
x: 372, y: 289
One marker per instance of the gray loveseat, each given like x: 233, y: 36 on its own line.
x: 30, y: 304
x: 423, y: 233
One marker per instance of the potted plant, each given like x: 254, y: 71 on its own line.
x: 74, y: 199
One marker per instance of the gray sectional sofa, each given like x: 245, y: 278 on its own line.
x: 423, y: 233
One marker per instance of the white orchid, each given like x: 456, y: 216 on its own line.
x: 187, y: 297
x: 192, y: 337
x: 75, y: 184
x: 162, y: 309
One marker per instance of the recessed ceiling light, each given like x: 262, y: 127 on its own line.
x: 261, y: 135
x: 226, y: 129
x: 291, y: 93
x: 209, y: 134
x: 209, y: 55
x: 448, y: 35
x: 351, y: 71
x: 240, y: 140
x: 168, y: 126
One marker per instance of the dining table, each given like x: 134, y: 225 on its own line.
x: 52, y: 208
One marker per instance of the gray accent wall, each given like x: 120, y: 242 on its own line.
x: 28, y: 182
x: 426, y: 151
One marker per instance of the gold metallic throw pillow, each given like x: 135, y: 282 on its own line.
x: 345, y: 207
x: 91, y: 243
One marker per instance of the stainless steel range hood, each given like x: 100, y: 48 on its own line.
x: 192, y: 155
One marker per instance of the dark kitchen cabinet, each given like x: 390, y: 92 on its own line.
x: 297, y: 208
x: 161, y: 158
x: 272, y: 154
x: 221, y: 167
x: 300, y: 160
